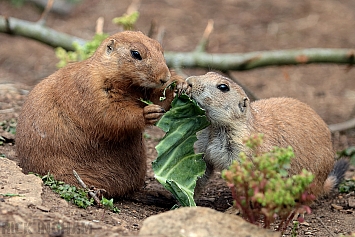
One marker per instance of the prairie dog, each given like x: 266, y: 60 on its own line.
x: 283, y: 121
x: 88, y: 116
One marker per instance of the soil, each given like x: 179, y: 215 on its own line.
x: 239, y: 26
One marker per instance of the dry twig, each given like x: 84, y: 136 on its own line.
x: 99, y: 25
x: 342, y: 126
x: 81, y: 182
x: 325, y: 226
x: 47, y: 9
x: 202, y: 45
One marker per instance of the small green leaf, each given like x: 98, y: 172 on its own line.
x: 147, y: 102
x: 11, y: 195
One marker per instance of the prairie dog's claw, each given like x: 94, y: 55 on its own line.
x: 152, y: 113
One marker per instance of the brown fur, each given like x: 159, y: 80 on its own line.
x: 283, y: 121
x: 88, y: 116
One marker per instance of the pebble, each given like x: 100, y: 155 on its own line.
x: 43, y: 208
x: 337, y: 207
x: 351, y: 202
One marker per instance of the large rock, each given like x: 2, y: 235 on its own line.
x: 201, y: 222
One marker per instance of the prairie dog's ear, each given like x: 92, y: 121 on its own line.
x: 243, y: 104
x: 110, y: 47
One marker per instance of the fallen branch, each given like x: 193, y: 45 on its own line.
x: 342, y: 126
x: 325, y: 227
x: 39, y: 32
x: 91, y: 193
x: 246, y: 61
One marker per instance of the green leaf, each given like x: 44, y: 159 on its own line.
x: 11, y: 195
x: 177, y: 167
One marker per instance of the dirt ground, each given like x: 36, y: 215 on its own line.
x: 239, y: 26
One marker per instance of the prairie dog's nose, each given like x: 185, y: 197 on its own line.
x: 165, y: 77
x: 190, y: 80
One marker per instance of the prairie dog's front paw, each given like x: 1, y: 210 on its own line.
x: 183, y: 87
x: 152, y: 113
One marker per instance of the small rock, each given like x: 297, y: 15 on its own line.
x: 351, y: 202
x: 305, y: 223
x: 337, y: 207
x: 201, y: 222
x: 232, y: 210
x: 43, y: 208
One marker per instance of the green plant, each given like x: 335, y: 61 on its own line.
x: 348, y: 152
x: 262, y: 188
x: 70, y: 193
x: 11, y: 195
x: 108, y: 204
x: 81, y: 52
x: 77, y: 196
x: 294, y: 229
x: 347, y: 186
x: 9, y: 125
x: 127, y: 21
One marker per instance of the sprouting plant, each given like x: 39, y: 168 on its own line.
x: 11, y: 195
x: 77, y: 196
x: 147, y: 102
x: 348, y: 152
x: 109, y: 205
x: 262, y: 189
x: 127, y: 21
x: 348, y: 185
x: 9, y: 125
x: 70, y: 193
x: 81, y: 52
x: 294, y: 229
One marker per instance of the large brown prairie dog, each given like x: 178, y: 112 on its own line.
x: 88, y: 115
x: 283, y: 121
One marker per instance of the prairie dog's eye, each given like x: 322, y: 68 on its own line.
x: 136, y: 55
x: 223, y: 87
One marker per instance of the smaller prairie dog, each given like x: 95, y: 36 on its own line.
x: 283, y: 121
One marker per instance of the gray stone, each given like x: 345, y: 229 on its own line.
x: 201, y: 222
